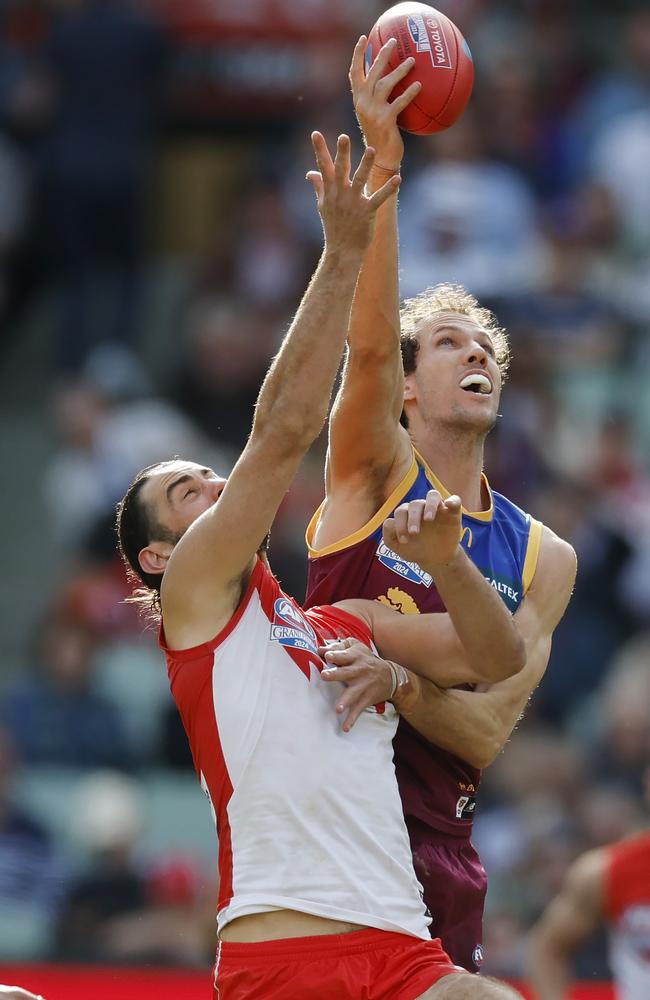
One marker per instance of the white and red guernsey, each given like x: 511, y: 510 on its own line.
x: 627, y: 908
x: 308, y: 817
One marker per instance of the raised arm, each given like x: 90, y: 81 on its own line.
x: 217, y: 551
x: 367, y: 445
x: 569, y: 920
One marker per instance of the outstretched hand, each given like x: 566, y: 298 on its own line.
x: 426, y: 532
x: 347, y: 212
x: 377, y: 116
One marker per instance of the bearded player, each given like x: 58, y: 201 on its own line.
x: 318, y: 896
x: 412, y: 413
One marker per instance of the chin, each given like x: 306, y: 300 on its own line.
x: 481, y: 421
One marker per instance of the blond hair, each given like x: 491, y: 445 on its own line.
x: 455, y: 299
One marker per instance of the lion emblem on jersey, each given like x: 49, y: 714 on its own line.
x: 399, y: 601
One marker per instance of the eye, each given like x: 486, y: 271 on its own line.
x: 489, y: 348
x: 446, y: 340
x: 189, y: 493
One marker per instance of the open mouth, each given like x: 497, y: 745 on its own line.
x: 478, y: 383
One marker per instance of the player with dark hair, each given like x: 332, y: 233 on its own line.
x: 397, y: 431
x: 318, y: 896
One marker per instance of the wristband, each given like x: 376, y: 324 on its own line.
x: 399, y: 676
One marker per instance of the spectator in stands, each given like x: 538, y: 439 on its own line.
x: 55, y: 714
x: 468, y: 218
x: 104, y: 59
x: 32, y: 872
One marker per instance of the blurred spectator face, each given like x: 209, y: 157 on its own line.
x: 67, y: 654
x: 78, y: 413
x: 608, y: 814
x: 638, y: 41
x: 560, y: 779
x: 450, y: 347
x: 224, y: 346
x: 626, y: 705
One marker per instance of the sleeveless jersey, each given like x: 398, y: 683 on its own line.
x: 627, y: 908
x: 437, y: 788
x: 308, y: 817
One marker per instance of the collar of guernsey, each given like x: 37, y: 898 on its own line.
x: 517, y: 531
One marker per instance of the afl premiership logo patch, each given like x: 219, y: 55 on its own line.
x: 407, y: 570
x: 477, y: 956
x: 292, y: 630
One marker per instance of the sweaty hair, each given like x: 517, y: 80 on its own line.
x: 448, y: 298
x: 136, y: 527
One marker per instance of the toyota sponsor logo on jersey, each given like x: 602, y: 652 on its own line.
x: 407, y: 570
x: 428, y: 36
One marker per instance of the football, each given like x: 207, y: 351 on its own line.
x: 443, y: 64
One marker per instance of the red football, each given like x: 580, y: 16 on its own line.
x: 443, y: 64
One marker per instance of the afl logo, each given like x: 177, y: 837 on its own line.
x: 418, y: 31
x: 289, y: 614
x: 477, y: 956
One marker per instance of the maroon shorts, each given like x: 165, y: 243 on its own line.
x: 376, y: 965
x: 455, y: 885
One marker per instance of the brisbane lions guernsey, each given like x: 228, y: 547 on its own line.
x: 308, y: 817
x: 627, y: 909
x: 437, y: 788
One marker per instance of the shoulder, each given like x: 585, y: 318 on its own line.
x: 585, y: 878
x: 552, y: 583
x: 557, y: 558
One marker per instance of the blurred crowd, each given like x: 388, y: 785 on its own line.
x: 129, y: 186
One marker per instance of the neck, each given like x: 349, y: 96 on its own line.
x: 456, y: 457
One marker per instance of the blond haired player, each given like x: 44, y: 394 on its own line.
x: 442, y: 375
x: 318, y: 897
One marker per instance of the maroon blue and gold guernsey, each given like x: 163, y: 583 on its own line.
x: 438, y: 789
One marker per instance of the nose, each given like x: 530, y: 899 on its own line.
x: 216, y: 488
x: 476, y: 355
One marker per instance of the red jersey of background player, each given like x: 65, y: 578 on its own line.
x: 626, y: 906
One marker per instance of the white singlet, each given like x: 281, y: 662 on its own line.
x: 308, y: 817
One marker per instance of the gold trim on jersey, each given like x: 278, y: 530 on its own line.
x: 478, y: 515
x: 532, y: 553
x: 370, y: 526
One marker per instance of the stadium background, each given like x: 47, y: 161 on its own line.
x: 156, y: 234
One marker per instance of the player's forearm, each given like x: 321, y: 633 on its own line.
x: 374, y: 322
x: 295, y: 395
x: 549, y: 971
x: 461, y: 722
x: 485, y: 627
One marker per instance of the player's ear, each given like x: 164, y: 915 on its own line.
x: 154, y: 557
x: 409, y: 387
